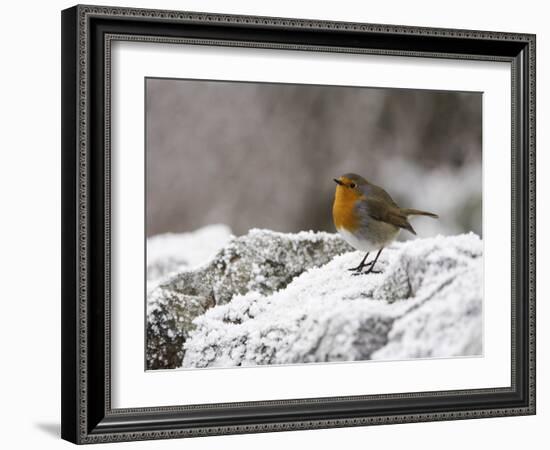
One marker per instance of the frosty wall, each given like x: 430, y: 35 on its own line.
x: 275, y: 298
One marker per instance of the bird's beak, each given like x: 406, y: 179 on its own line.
x: 337, y: 181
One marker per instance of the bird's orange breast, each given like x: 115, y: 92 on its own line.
x: 343, y: 209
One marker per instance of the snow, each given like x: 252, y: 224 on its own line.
x: 171, y: 252
x: 278, y: 298
x: 427, y: 302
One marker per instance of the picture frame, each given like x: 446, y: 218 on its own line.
x: 87, y: 366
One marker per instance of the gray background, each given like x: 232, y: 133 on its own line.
x: 256, y: 155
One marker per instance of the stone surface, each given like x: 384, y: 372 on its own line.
x: 261, y: 261
x: 427, y: 302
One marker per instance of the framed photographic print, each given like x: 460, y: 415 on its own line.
x: 281, y: 224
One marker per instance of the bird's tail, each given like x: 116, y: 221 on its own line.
x: 417, y: 212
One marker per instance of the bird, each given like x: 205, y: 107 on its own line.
x: 367, y: 218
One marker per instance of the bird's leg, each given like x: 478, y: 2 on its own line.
x: 371, y: 268
x: 362, y: 264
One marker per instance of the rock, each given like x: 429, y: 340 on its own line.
x: 427, y: 302
x: 261, y: 261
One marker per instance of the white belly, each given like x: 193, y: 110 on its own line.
x: 362, y: 244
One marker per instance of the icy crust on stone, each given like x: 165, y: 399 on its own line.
x: 427, y: 302
x: 261, y: 261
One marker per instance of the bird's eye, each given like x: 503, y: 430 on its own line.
x: 352, y: 185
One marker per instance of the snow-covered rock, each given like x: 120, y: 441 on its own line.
x: 427, y: 302
x: 171, y: 252
x: 261, y: 261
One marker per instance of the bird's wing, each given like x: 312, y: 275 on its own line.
x: 376, y: 192
x: 384, y: 211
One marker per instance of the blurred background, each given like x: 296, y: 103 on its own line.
x: 257, y: 155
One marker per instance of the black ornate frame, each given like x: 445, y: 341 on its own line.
x: 87, y: 33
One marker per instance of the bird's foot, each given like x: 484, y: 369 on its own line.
x: 366, y: 272
x: 360, y: 267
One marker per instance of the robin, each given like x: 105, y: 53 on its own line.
x: 367, y: 217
